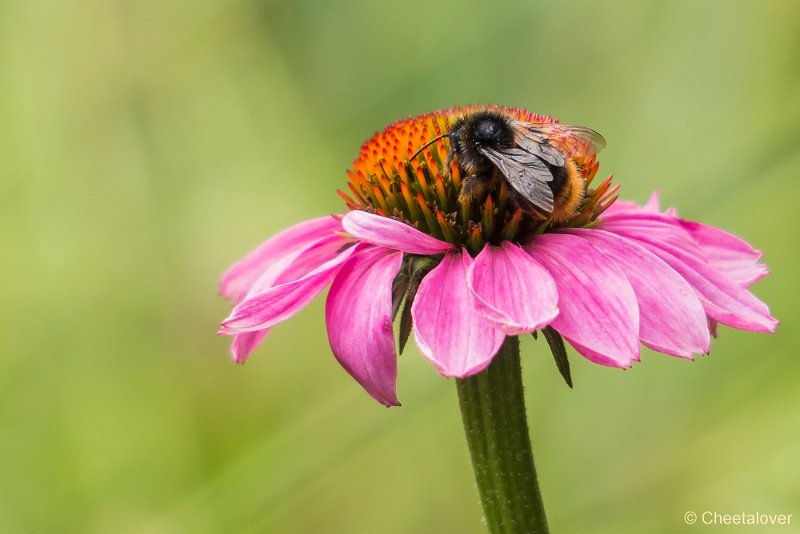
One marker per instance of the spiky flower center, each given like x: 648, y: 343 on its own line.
x: 422, y: 192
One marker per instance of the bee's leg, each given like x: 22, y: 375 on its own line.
x: 449, y: 161
x: 474, y: 186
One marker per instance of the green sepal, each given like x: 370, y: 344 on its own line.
x: 406, y: 322
x: 559, y: 353
x: 400, y: 286
x: 418, y: 267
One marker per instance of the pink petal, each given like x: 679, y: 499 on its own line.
x: 238, y: 278
x: 712, y: 327
x: 723, y: 299
x: 730, y: 254
x: 653, y: 228
x: 598, y: 310
x: 512, y: 290
x: 280, y: 302
x: 596, y: 357
x: 653, y: 204
x: 245, y: 343
x: 298, y: 263
x: 358, y: 314
x: 626, y: 206
x: 671, y: 317
x: 288, y: 268
x: 449, y: 331
x: 385, y: 232
x: 622, y: 206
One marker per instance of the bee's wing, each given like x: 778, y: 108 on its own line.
x: 526, y: 173
x: 553, y: 140
x: 535, y: 142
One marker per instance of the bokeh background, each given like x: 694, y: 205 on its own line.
x: 145, y: 145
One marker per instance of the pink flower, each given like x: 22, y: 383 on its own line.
x: 634, y: 277
x: 638, y: 277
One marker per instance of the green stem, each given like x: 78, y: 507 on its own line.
x: 493, y: 411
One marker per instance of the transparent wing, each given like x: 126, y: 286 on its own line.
x: 555, y: 140
x: 526, y: 173
x: 536, y: 142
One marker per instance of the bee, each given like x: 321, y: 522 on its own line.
x: 536, y: 160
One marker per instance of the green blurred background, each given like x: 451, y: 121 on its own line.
x: 146, y: 145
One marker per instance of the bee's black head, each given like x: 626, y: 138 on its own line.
x: 473, y: 132
x: 490, y: 128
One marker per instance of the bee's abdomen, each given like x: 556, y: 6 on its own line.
x: 559, y: 179
x: 568, y: 190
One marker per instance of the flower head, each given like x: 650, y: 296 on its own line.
x: 464, y: 275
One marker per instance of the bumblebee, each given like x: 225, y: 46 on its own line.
x: 536, y: 160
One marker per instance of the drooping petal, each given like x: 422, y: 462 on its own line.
x: 653, y: 228
x: 245, y: 343
x: 280, y: 302
x: 597, y: 357
x: 671, y: 317
x: 358, y: 314
x: 448, y: 329
x: 290, y: 267
x: 385, y: 232
x: 298, y: 263
x: 240, y: 276
x: 723, y: 300
x: 598, y: 309
x: 731, y: 255
x: 512, y: 290
x: 712, y: 326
